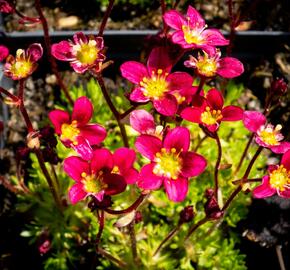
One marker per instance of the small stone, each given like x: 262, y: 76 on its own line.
x: 50, y: 79
x: 68, y: 22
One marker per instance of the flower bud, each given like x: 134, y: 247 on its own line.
x: 211, y: 207
x: 186, y: 215
x: 95, y: 204
x: 138, y: 217
x: 279, y: 86
x: 6, y: 7
x: 33, y: 140
x: 44, y: 247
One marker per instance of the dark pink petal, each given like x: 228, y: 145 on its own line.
x: 166, y: 106
x: 230, y: 67
x: 253, y: 120
x: 210, y: 50
x: 138, y: 96
x: 179, y: 81
x: 232, y: 113
x: 80, y: 38
x: 93, y: 133
x: 124, y: 158
x: 76, y: 193
x: 83, y: 148
x: 100, y: 42
x: 284, y: 194
x: 35, y: 52
x: 215, y: 99
x: 174, y: 19
x: 178, y: 138
x: 148, y: 145
x: 281, y: 148
x: 176, y: 189
x: 178, y: 38
x: 102, y: 160
x: 264, y: 190
x: 4, y: 52
x: 75, y: 166
x: 159, y: 59
x: 213, y: 128
x: 82, y: 111
x: 192, y: 164
x: 116, y: 183
x: 57, y: 118
x: 196, y: 21
x: 191, y: 114
x: 100, y: 195
x: 214, y: 37
x: 79, y: 67
x: 133, y: 71
x: 142, y: 121
x: 130, y: 175
x: 285, y: 161
x: 147, y: 179
x: 62, y: 51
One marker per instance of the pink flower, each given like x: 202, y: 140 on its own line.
x: 154, y: 82
x: 75, y: 131
x: 278, y: 180
x: 212, y: 112
x: 190, y: 31
x: 210, y: 65
x: 4, y: 52
x: 171, y: 163
x: 83, y: 52
x: 24, y: 64
x: 266, y: 135
x: 6, y: 7
x: 96, y: 178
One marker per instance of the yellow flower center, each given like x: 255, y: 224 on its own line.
x: 270, y: 135
x: 87, y: 53
x: 211, y: 117
x: 156, y: 86
x: 192, y: 36
x: 168, y: 164
x: 21, y: 67
x: 115, y: 170
x: 280, y: 178
x: 70, y: 132
x: 93, y: 183
x: 206, y: 66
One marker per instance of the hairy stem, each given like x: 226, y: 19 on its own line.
x: 216, y: 170
x: 8, y: 94
x: 101, y: 227
x: 200, y: 86
x: 106, y: 17
x: 133, y: 241
x: 112, y: 258
x: 195, y: 227
x: 163, y: 6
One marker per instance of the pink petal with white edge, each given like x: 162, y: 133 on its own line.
x: 215, y: 99
x: 196, y: 21
x: 93, y: 133
x: 133, y: 71
x: 116, y: 184
x: 253, y: 120
x: 232, y: 113
x: 83, y: 148
x: 131, y: 175
x: 138, y: 96
x: 214, y: 37
x: 80, y: 38
x: 282, y: 148
x: 79, y: 67
x: 285, y: 161
x: 166, y: 106
x: 75, y: 166
x: 230, y: 67
x: 124, y: 158
x: 159, y: 59
x: 142, y: 121
x: 147, y: 179
x: 35, y: 52
x: 178, y: 138
x: 76, y: 193
x: 102, y: 159
x: 100, y: 195
x: 57, y: 118
x: 82, y: 111
x: 264, y: 190
x: 174, y: 19
x: 191, y: 114
x: 192, y: 164
x: 62, y: 51
x: 148, y: 145
x: 176, y: 189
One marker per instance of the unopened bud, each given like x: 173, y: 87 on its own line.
x: 95, y: 204
x: 33, y: 140
x: 138, y: 217
x: 187, y: 214
x: 211, y: 207
x: 279, y: 86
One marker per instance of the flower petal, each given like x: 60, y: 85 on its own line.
x: 176, y: 189
x: 76, y: 193
x: 192, y: 164
x: 102, y: 160
x: 214, y: 37
x: 34, y: 52
x: 133, y: 71
x: 159, y: 59
x: 178, y: 38
x: 82, y: 111
x: 83, y: 148
x: 80, y: 38
x: 75, y: 166
x: 281, y: 148
x: 138, y: 96
x: 148, y: 145
x: 285, y: 161
x: 232, y: 113
x: 147, y: 179
x: 116, y: 183
x: 215, y: 99
x: 264, y: 190
x: 93, y: 133
x: 253, y: 120
x: 142, y: 121
x: 178, y: 138
x: 179, y: 81
x: 230, y: 67
x: 191, y: 114
x: 62, y: 51
x: 130, y: 175
x: 196, y: 21
x: 78, y: 67
x: 166, y: 106
x: 57, y: 118
x: 124, y: 158
x: 285, y: 194
x: 174, y: 19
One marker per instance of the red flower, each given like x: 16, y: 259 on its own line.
x: 190, y: 31
x: 75, y: 131
x: 4, y: 52
x: 266, y: 135
x: 155, y: 83
x: 6, y: 7
x: 171, y: 163
x: 83, y: 52
x: 278, y: 180
x: 24, y: 64
x: 96, y: 178
x: 212, y: 112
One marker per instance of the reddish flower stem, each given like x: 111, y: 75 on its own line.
x: 176, y: 4
x: 251, y: 180
x: 25, y: 18
x: 232, y: 26
x: 133, y: 241
x: 106, y: 17
x: 195, y: 227
x: 48, y: 51
x: 163, y: 6
x: 200, y: 143
x: 216, y: 170
x: 200, y: 86
x: 112, y: 258
x: 124, y: 114
x: 101, y: 218
x: 8, y: 94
